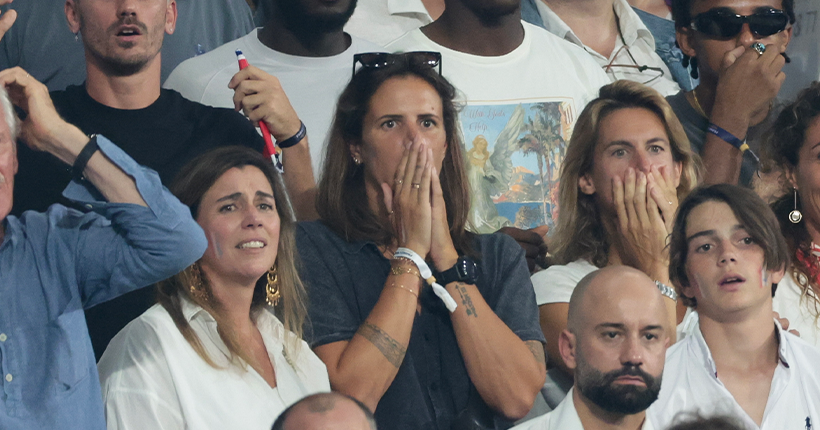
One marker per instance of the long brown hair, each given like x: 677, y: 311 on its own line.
x: 787, y: 136
x: 580, y: 233
x: 341, y: 199
x: 190, y: 185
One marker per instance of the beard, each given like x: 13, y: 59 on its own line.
x: 97, y: 42
x: 299, y: 19
x: 601, y: 390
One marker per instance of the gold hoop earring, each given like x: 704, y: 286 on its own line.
x: 795, y: 216
x: 272, y: 293
x: 196, y: 287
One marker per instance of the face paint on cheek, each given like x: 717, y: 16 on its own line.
x: 217, y: 247
x: 764, y: 277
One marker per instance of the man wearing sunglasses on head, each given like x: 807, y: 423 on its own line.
x: 737, y: 48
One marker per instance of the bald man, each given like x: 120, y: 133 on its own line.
x: 615, y: 342
x: 326, y: 411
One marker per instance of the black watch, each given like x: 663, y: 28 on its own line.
x: 464, y: 270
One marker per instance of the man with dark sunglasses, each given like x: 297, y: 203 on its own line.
x: 738, y: 51
x: 523, y: 87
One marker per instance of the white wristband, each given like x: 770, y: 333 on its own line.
x: 427, y: 274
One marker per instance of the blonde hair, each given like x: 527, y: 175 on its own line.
x: 579, y: 233
x: 190, y: 185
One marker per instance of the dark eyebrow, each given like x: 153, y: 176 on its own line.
x: 263, y: 194
x: 233, y: 196
x: 652, y: 327
x: 711, y: 232
x: 658, y: 139
x: 618, y: 143
x: 392, y: 116
x: 618, y: 326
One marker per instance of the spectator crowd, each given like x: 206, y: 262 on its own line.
x: 409, y: 214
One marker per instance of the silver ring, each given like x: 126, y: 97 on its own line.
x: 759, y: 48
x: 416, y: 186
x: 399, y: 181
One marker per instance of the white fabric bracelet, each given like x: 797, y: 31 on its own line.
x: 427, y: 274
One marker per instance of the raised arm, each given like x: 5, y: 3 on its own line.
x: 261, y: 97
x: 507, y: 371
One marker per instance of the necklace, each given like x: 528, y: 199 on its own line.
x: 692, y: 97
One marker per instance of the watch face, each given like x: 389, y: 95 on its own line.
x: 466, y: 269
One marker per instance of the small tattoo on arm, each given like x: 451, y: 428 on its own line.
x: 466, y: 300
x: 389, y: 347
x: 537, y: 349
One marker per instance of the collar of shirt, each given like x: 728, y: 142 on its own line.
x: 705, y: 355
x: 265, y: 321
x: 406, y: 7
x: 565, y: 417
x: 632, y: 28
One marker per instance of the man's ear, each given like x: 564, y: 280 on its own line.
x: 684, y: 36
x: 171, y: 17
x: 72, y: 16
x: 567, y: 347
x: 776, y: 276
x: 586, y: 185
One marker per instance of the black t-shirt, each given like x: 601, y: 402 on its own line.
x: 163, y: 136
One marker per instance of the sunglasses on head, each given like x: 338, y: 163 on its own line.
x: 723, y: 23
x: 376, y: 60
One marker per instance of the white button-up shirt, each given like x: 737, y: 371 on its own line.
x: 691, y: 384
x: 563, y: 417
x: 153, y: 379
x: 638, y: 40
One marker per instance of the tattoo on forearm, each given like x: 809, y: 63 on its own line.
x: 389, y: 347
x: 466, y: 300
x: 537, y: 349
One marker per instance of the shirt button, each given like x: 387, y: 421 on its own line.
x: 9, y: 377
x: 3, y: 337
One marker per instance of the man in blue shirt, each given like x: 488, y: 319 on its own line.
x: 55, y: 264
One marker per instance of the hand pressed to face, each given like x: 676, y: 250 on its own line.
x: 635, y: 178
x: 239, y: 217
x: 8, y: 168
x: 122, y: 36
x: 724, y: 265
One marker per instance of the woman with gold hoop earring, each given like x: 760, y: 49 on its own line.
x: 794, y: 148
x: 223, y: 347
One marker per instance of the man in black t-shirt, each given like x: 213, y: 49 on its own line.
x: 122, y: 100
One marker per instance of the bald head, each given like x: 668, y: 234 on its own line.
x: 326, y: 411
x: 617, y: 283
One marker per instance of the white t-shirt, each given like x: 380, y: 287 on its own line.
x: 563, y: 417
x: 789, y: 304
x: 312, y: 84
x: 383, y: 21
x: 639, y: 42
x: 524, y: 104
x: 556, y: 283
x: 691, y: 384
x: 152, y: 378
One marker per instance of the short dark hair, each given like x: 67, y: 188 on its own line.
x: 752, y: 212
x: 699, y: 422
x: 279, y: 424
x: 682, y: 12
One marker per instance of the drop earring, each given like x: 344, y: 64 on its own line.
x: 272, y: 292
x: 77, y: 36
x: 795, y: 216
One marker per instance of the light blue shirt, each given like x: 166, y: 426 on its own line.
x: 55, y: 264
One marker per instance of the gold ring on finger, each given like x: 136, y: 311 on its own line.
x: 416, y: 186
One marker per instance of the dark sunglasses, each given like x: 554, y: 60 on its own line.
x: 724, y: 24
x: 375, y: 60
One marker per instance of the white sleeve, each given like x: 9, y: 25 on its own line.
x: 556, y: 283
x: 137, y: 386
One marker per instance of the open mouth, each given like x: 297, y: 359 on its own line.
x: 251, y: 244
x: 129, y: 31
x: 731, y: 280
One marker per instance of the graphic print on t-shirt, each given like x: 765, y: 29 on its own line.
x: 514, y: 151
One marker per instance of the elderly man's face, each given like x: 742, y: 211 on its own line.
x: 8, y: 167
x: 620, y: 343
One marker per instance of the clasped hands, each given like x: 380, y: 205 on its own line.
x: 645, y: 204
x: 415, y: 204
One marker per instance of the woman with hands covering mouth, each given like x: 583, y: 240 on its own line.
x: 427, y: 324
x: 628, y: 164
x: 223, y: 347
